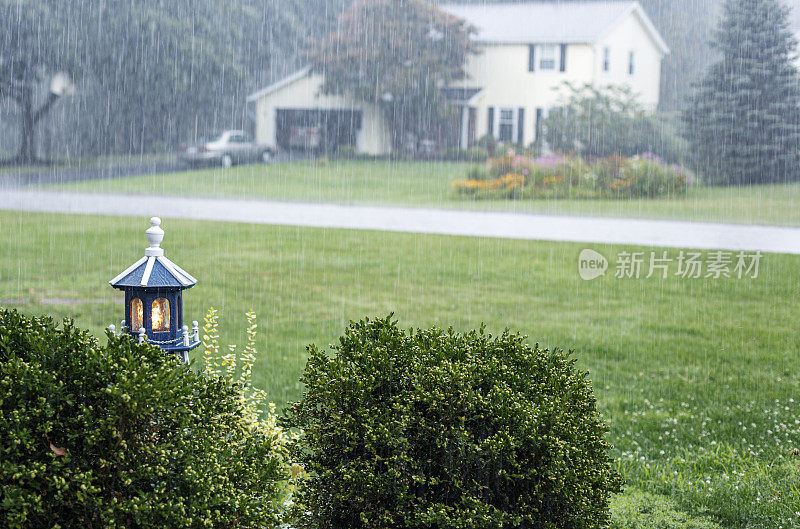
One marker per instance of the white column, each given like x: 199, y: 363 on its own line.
x: 465, y: 127
x: 142, y: 335
x: 186, y: 336
x: 195, y: 331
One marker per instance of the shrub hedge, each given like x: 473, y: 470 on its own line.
x: 436, y: 429
x: 123, y: 435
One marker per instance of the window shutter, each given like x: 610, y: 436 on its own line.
x: 538, y: 126
x: 521, y: 125
x: 563, y: 67
x: 531, y: 57
x: 491, y: 121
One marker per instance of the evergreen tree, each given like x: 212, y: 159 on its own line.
x: 743, y: 120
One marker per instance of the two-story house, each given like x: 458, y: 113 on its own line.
x: 526, y: 52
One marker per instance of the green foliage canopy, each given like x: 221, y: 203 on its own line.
x: 155, y: 69
x: 397, y: 54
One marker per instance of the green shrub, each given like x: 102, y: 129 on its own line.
x: 487, y: 142
x: 456, y: 154
x: 123, y: 435
x: 597, y: 122
x: 347, y: 152
x: 436, y: 429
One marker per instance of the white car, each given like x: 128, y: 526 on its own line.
x: 225, y: 148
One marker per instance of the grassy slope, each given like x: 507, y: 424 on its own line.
x: 677, y: 364
x: 427, y: 184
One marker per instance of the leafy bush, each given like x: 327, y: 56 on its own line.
x: 475, y: 154
x: 436, y: 429
x: 346, y: 151
x: 600, y: 122
x: 488, y: 142
x: 123, y: 435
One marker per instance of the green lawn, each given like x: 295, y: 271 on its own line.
x: 428, y: 185
x: 698, y: 377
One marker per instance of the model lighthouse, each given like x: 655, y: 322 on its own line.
x: 154, y: 288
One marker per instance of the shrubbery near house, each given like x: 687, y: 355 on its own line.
x: 432, y: 428
x: 123, y: 435
x: 559, y: 176
x: 598, y: 122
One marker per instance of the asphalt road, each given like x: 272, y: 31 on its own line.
x: 654, y: 233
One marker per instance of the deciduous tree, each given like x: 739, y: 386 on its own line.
x: 397, y: 54
x: 157, y: 67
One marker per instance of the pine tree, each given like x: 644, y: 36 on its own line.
x: 744, y: 118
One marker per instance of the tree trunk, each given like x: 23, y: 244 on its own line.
x: 28, y: 120
x: 27, y: 149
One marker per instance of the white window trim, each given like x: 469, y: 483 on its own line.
x: 556, y: 58
x: 537, y: 58
x: 515, y: 123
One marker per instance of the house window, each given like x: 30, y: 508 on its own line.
x: 506, y: 125
x: 631, y: 68
x: 160, y: 315
x: 606, y: 59
x: 547, y: 57
x: 137, y: 313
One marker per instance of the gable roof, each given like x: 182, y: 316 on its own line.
x: 274, y: 87
x: 550, y: 22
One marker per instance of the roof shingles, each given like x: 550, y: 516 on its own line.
x: 550, y: 22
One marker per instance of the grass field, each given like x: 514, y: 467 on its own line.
x: 698, y: 377
x: 428, y: 185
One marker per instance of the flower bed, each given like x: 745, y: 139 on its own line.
x: 560, y: 176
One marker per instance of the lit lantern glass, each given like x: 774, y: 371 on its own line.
x: 160, y: 315
x: 137, y: 314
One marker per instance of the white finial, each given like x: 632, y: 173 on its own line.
x: 154, y: 236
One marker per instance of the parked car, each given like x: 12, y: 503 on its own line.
x: 225, y: 148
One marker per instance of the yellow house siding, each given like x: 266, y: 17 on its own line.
x: 630, y: 35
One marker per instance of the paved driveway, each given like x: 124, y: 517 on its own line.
x: 658, y: 233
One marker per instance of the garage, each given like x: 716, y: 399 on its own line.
x: 296, y: 113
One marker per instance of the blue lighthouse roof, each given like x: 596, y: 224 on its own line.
x: 154, y: 270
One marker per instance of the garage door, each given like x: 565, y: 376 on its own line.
x: 308, y: 128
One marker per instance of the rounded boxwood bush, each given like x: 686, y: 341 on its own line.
x: 435, y: 429
x: 122, y: 435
